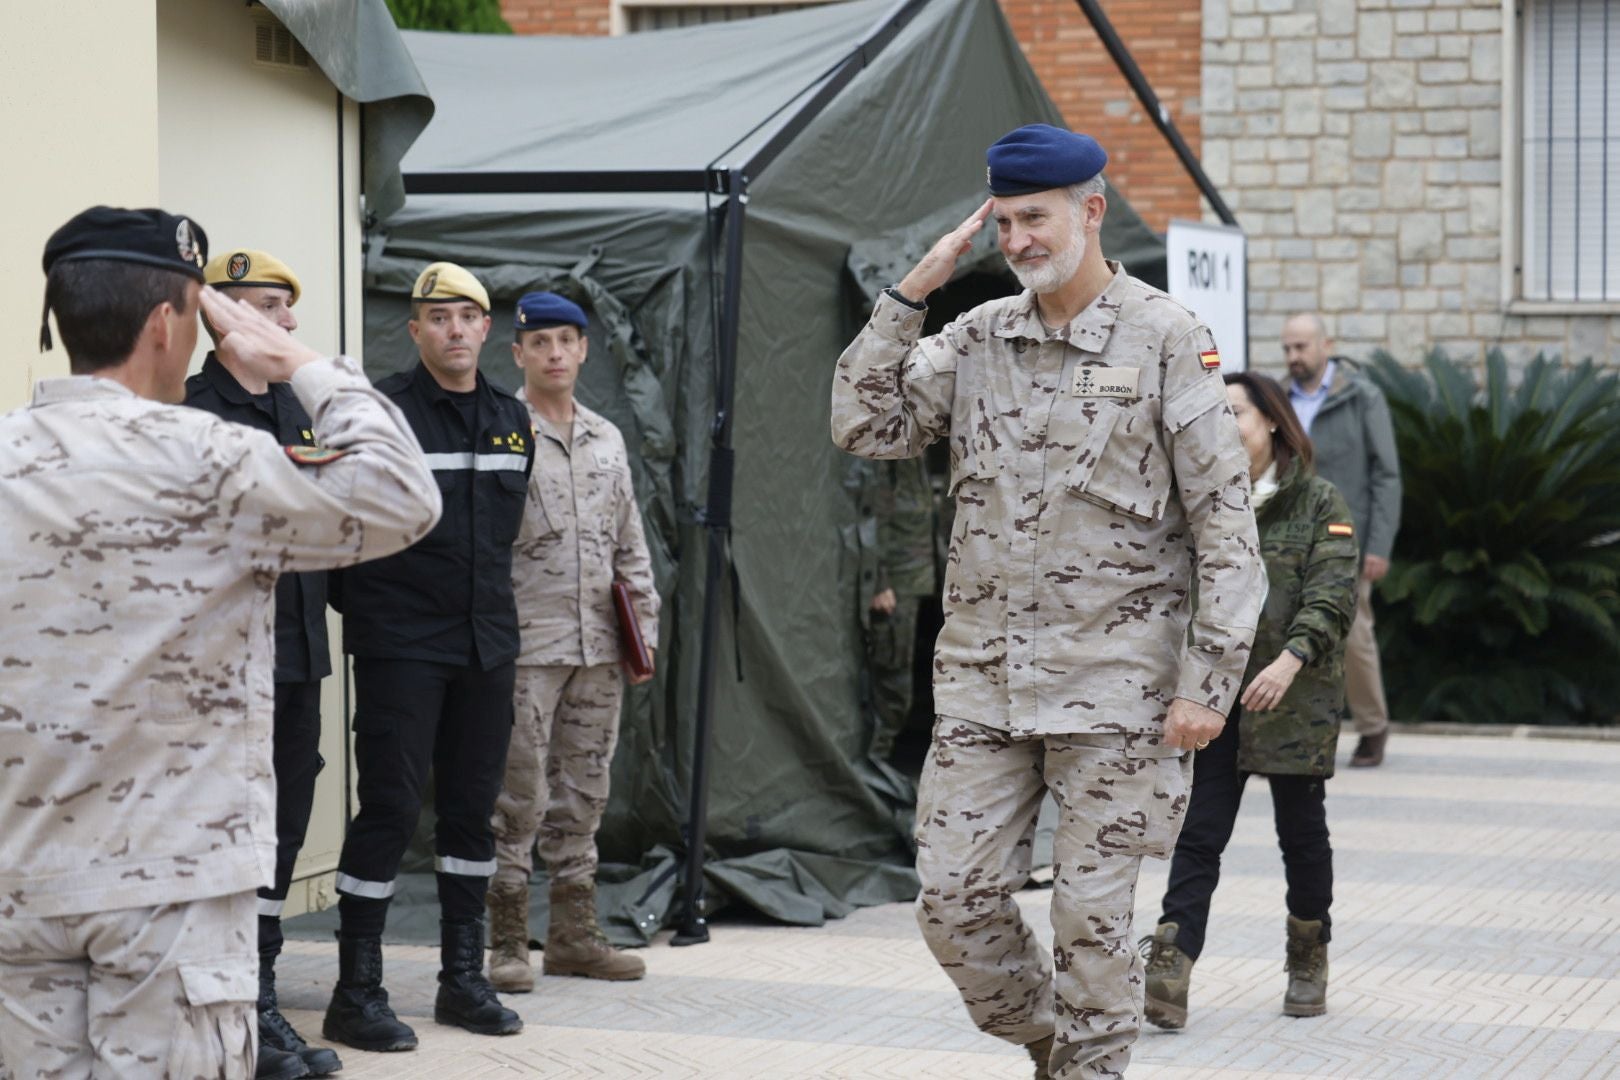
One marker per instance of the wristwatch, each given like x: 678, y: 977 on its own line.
x: 1300, y: 656
x: 914, y: 305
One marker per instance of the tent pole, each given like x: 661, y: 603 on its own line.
x: 1155, y: 109
x: 694, y: 928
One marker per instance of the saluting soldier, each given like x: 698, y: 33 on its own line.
x: 434, y: 634
x: 230, y: 391
x: 581, y: 532
x: 1100, y: 597
x: 140, y: 546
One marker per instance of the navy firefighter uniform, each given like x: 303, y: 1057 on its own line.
x: 434, y: 635
x: 302, y: 653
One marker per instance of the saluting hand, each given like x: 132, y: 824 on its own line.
x: 939, y: 264
x: 248, y: 338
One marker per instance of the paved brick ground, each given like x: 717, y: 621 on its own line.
x: 1477, y: 935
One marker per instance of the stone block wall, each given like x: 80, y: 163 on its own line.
x: 1359, y: 144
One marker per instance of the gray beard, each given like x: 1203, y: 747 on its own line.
x: 1057, y: 271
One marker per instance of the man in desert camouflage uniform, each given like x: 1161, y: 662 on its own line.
x: 140, y: 545
x: 581, y: 532
x: 903, y: 502
x: 1099, y: 483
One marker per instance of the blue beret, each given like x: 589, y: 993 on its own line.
x: 1038, y: 157
x: 537, y: 310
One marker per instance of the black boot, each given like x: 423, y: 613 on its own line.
x: 275, y: 1033
x: 276, y: 1064
x: 359, y: 1015
x: 466, y: 999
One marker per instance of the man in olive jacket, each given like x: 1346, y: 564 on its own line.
x: 1348, y: 421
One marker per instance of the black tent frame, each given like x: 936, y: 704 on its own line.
x: 730, y: 181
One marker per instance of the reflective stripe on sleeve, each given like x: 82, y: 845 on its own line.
x: 270, y: 909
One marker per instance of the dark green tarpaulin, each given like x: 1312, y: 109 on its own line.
x: 801, y: 827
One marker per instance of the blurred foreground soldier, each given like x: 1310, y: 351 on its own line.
x: 1286, y: 724
x: 581, y: 532
x: 1348, y: 422
x: 140, y: 546
x: 905, y: 520
x: 434, y: 634
x: 303, y: 657
x: 1099, y: 482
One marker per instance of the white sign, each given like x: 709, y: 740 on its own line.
x: 1208, y: 270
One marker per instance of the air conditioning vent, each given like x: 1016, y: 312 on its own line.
x: 274, y: 45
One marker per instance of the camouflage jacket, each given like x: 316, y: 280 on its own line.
x: 581, y: 530
x: 140, y: 548
x: 903, y: 502
x: 1309, y: 545
x: 1096, y: 470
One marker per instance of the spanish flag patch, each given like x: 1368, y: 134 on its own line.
x: 1211, y: 360
x: 313, y: 455
x: 1341, y: 530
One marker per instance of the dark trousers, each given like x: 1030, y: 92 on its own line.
x: 1302, y: 833
x: 412, y: 716
x: 295, y: 752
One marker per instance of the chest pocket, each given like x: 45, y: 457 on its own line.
x: 1118, y: 461
x: 510, y: 490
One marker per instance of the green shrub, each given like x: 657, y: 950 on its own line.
x: 1501, y: 604
x: 468, y: 16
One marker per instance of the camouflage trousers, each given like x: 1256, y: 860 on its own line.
x: 557, y: 771
x: 1119, y: 797
x: 890, y: 649
x: 138, y: 993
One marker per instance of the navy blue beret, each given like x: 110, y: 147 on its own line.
x: 538, y: 310
x: 1038, y: 157
x: 150, y: 237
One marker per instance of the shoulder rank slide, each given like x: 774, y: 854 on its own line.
x: 1338, y: 529
x: 313, y: 455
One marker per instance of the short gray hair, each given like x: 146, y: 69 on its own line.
x: 1078, y: 193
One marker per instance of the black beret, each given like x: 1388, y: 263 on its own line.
x: 1038, y: 157
x: 151, y: 237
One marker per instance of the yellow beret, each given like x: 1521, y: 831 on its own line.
x: 447, y: 281
x: 246, y: 267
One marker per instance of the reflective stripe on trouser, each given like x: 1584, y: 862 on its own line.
x: 296, y: 739
x: 557, y: 772
x: 133, y: 993
x: 410, y: 717
x: 1119, y: 799
x: 1363, y: 672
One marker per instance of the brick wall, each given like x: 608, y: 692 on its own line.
x: 1164, y: 37
x: 588, y: 17
x: 1359, y: 144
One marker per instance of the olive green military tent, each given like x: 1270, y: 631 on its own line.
x: 805, y: 160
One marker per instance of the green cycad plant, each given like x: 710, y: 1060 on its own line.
x: 1502, y: 604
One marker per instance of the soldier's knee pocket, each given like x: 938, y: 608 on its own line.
x: 213, y: 1029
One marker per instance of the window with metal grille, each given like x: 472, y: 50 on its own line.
x: 663, y: 16
x: 1570, y: 162
x: 273, y: 44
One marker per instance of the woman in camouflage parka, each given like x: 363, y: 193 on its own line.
x: 1286, y: 723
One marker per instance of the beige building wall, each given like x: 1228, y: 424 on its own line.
x: 1369, y: 148
x: 164, y: 103
x: 78, y: 89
